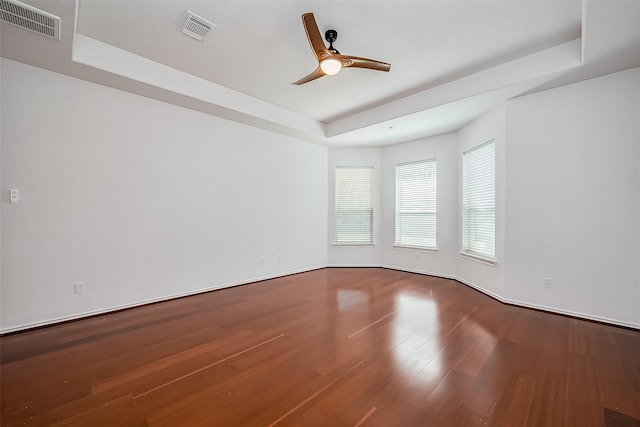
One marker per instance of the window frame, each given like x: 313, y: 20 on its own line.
x: 336, y: 240
x: 466, y: 246
x: 397, y: 208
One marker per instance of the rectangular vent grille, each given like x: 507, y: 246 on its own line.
x: 30, y: 18
x: 195, y: 26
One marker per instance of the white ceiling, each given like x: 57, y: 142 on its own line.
x: 450, y: 60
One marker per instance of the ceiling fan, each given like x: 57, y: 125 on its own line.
x: 330, y: 61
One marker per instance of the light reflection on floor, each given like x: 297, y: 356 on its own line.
x: 348, y: 298
x: 415, y: 328
x: 417, y: 352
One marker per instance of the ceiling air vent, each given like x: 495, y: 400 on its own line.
x: 195, y: 26
x: 29, y: 17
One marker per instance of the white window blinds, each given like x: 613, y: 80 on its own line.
x: 354, y: 205
x: 416, y: 204
x: 479, y: 201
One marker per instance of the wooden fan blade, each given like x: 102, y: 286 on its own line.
x: 316, y: 74
x: 358, y: 62
x: 314, y: 36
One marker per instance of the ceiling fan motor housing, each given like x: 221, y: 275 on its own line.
x: 331, y: 36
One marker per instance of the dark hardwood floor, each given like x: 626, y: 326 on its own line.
x: 331, y: 347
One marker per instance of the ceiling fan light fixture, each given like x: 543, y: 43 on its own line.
x: 331, y: 66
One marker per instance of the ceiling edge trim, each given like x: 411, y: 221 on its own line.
x: 108, y: 58
x: 546, y: 62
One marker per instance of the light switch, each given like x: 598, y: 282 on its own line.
x: 15, y: 194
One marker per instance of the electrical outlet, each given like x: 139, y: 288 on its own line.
x: 277, y: 258
x: 79, y: 288
x: 546, y: 282
x: 14, y: 195
x: 263, y: 260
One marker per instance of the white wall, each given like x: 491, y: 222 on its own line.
x: 574, y: 151
x: 489, y: 278
x: 359, y: 255
x: 442, y: 262
x: 143, y: 200
x: 573, y: 198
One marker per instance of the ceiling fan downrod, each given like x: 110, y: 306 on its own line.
x: 331, y: 36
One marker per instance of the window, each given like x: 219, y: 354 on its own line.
x: 416, y: 204
x: 479, y: 201
x: 354, y: 205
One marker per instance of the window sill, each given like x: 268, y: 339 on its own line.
x: 479, y: 258
x: 416, y: 248
x: 353, y: 244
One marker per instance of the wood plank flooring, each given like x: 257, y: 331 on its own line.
x: 331, y: 347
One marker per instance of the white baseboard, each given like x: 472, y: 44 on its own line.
x: 481, y: 289
x: 353, y: 266
x: 416, y: 271
x: 524, y: 304
x: 273, y: 276
x: 573, y: 314
x: 111, y: 309
x: 548, y: 309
